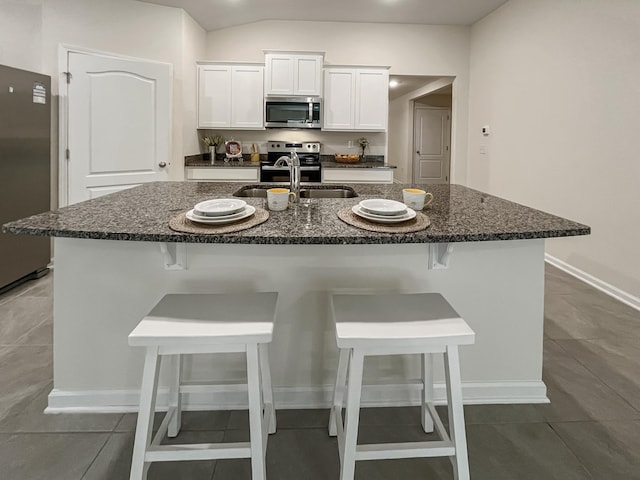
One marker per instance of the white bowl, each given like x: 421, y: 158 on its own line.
x: 382, y: 206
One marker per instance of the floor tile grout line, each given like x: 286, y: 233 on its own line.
x: 12, y: 296
x: 28, y: 332
x: 49, y: 384
x: 96, y: 456
x: 602, y: 380
x: 575, y: 455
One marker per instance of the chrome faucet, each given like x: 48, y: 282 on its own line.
x: 293, y: 162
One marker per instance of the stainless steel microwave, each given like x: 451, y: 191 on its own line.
x: 293, y: 112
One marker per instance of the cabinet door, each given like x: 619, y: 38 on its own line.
x: 339, y: 98
x: 279, y: 74
x: 223, y: 174
x: 372, y: 100
x: 247, y: 97
x: 307, y: 73
x: 214, y: 96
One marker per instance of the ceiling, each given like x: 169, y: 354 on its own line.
x: 217, y: 14
x: 410, y: 83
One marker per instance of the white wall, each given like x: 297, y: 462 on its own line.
x: 407, y: 49
x: 31, y: 33
x: 21, y: 26
x: 193, y: 48
x: 557, y: 81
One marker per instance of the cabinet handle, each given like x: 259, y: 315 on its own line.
x: 418, y: 152
x: 162, y: 164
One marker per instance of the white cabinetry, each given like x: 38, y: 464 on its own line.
x: 224, y: 174
x: 357, y: 175
x: 356, y: 99
x: 231, y: 96
x: 293, y: 74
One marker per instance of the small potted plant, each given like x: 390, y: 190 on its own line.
x: 364, y: 143
x: 212, y: 142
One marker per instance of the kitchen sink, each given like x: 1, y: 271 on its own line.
x: 251, y: 192
x: 339, y: 192
x: 306, y: 192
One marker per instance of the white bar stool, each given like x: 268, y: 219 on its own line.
x: 204, y: 323
x: 398, y: 324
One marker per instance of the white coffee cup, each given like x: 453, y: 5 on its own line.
x: 416, y: 198
x: 279, y: 199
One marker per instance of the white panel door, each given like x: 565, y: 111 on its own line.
x: 372, y: 100
x: 432, y: 138
x: 339, y: 90
x: 118, y: 124
x: 214, y: 96
x: 247, y: 97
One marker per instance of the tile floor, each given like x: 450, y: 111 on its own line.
x: 591, y: 429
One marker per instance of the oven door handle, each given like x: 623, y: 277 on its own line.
x: 302, y: 169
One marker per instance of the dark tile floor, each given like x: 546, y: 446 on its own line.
x: 591, y: 429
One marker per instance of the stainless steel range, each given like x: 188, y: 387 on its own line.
x: 308, y: 152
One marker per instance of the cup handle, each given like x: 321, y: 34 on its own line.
x: 430, y: 195
x: 292, y: 200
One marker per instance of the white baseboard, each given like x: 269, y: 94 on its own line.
x: 615, y: 292
x: 231, y: 397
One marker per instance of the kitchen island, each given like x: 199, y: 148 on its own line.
x: 115, y: 257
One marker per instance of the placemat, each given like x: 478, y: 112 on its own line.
x: 180, y: 223
x: 420, y: 222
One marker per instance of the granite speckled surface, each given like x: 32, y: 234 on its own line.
x: 204, y: 160
x: 369, y: 161
x: 458, y: 214
x: 376, y: 165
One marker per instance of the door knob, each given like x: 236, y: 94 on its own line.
x: 162, y: 164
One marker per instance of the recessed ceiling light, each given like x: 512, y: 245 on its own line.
x: 394, y: 83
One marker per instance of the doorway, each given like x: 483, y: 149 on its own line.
x: 117, y: 119
x: 431, y: 157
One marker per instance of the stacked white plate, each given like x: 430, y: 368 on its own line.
x: 381, y: 210
x: 220, y: 211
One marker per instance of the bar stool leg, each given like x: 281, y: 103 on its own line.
x: 338, y: 391
x: 427, y: 391
x: 352, y: 415
x: 146, y: 411
x: 456, y: 414
x: 267, y: 389
x: 175, y: 399
x: 258, y: 469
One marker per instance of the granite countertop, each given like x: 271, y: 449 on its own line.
x: 457, y: 213
x: 377, y: 165
x: 204, y: 160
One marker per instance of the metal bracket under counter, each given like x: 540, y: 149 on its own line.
x: 175, y: 255
x: 439, y: 255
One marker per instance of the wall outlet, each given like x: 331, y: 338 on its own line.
x: 350, y: 144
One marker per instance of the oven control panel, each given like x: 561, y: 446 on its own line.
x: 299, y: 147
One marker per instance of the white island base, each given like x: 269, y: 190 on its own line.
x: 103, y: 288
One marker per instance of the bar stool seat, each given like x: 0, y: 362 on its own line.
x: 398, y: 324
x: 195, y: 324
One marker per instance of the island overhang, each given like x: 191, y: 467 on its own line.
x: 111, y: 267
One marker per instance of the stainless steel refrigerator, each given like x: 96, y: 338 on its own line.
x: 25, y: 170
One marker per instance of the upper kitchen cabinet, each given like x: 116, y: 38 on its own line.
x: 356, y: 99
x: 293, y: 74
x: 231, y: 96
